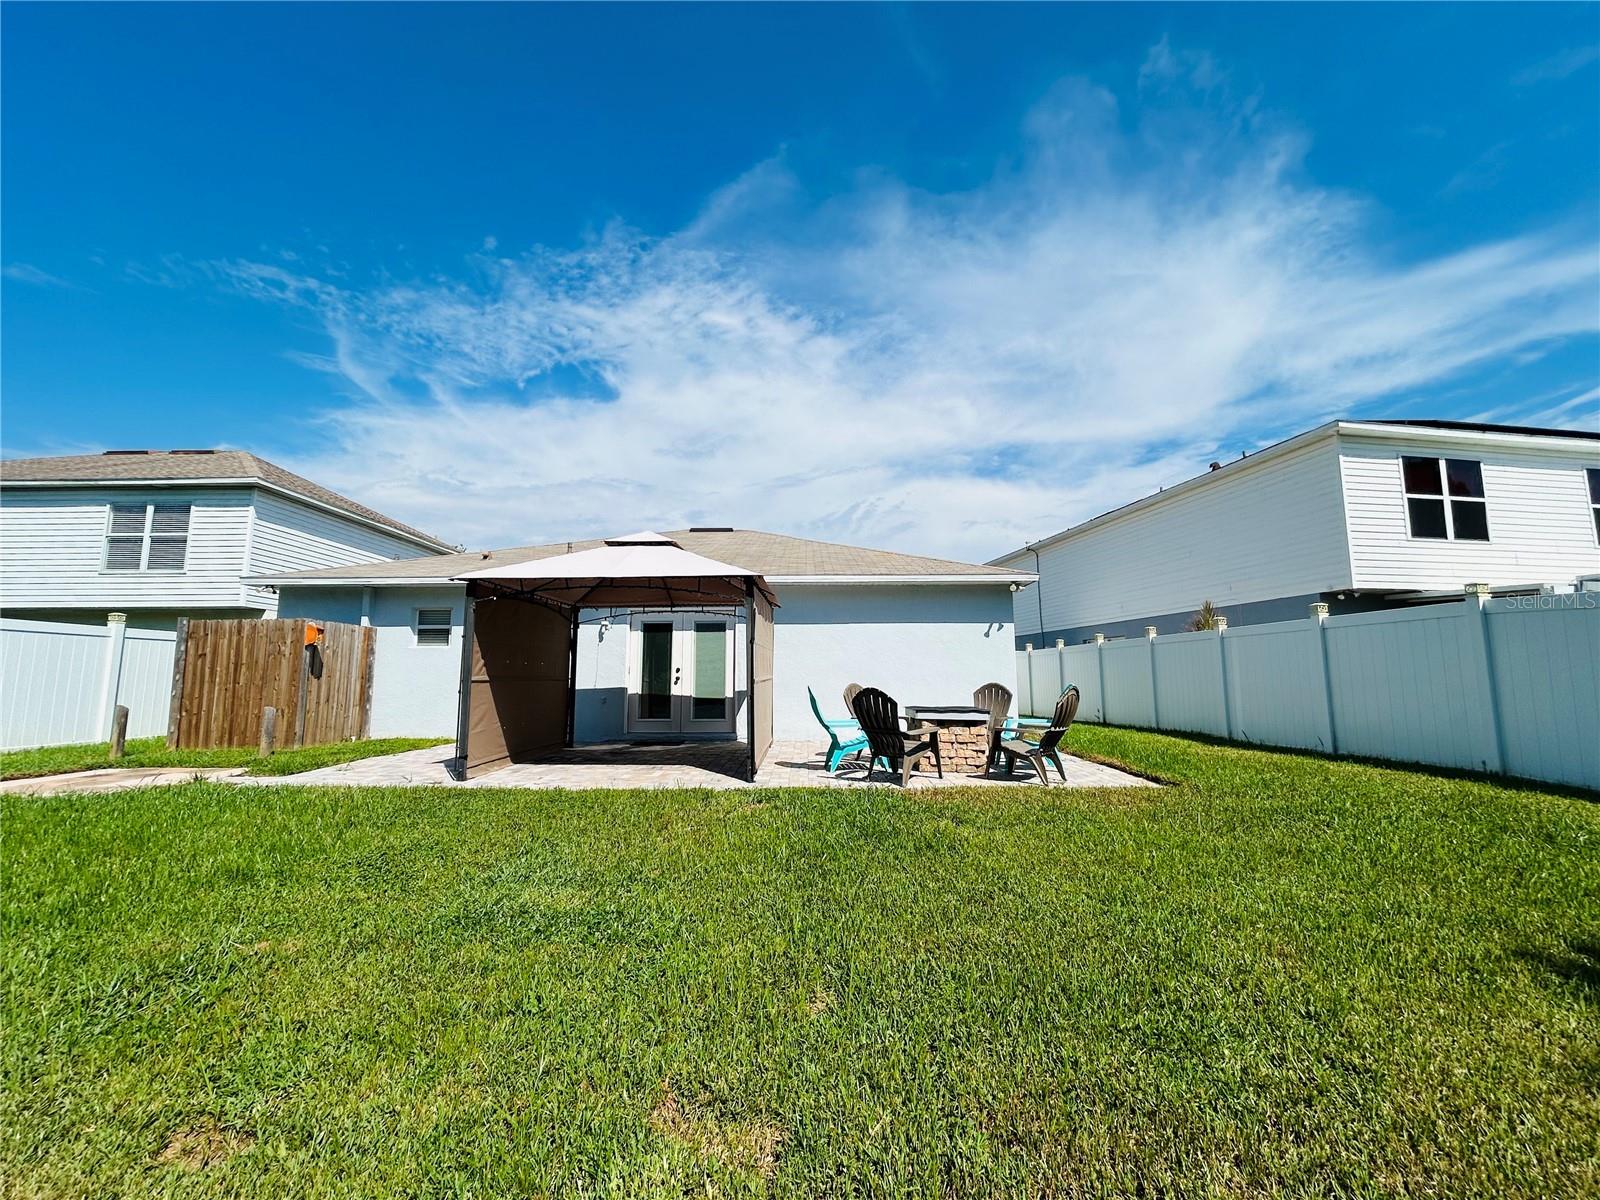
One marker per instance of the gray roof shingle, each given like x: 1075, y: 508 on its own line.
x: 774, y: 555
x: 191, y: 466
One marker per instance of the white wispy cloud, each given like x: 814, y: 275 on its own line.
x: 28, y: 273
x: 941, y: 372
x: 1557, y: 67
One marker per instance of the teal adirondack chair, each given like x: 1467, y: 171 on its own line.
x: 1019, y: 724
x: 844, y: 736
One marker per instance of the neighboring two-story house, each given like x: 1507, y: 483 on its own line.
x: 166, y: 534
x: 1360, y: 515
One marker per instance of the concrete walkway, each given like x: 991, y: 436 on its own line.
x: 687, y: 765
x: 112, y: 779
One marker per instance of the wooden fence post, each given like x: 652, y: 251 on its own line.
x: 303, y: 700
x: 269, y: 731
x: 180, y: 652
x: 119, y: 731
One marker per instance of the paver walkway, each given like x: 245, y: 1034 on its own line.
x: 686, y: 765
x: 112, y: 779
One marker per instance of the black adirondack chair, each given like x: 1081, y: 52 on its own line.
x: 891, y: 743
x: 1013, y: 749
x: 996, y: 697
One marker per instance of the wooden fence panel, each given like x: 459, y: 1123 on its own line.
x: 229, y: 671
x: 334, y: 696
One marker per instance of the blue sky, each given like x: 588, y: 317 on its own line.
x: 938, y: 278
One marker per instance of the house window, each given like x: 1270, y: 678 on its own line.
x: 1593, y: 474
x: 147, y: 537
x: 1444, y: 499
x: 433, y: 626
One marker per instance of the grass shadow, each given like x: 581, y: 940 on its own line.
x: 1514, y: 783
x: 1577, y: 964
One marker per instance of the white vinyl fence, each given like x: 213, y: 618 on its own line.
x: 1508, y: 686
x: 60, y: 682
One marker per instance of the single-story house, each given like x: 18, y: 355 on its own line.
x: 926, y: 630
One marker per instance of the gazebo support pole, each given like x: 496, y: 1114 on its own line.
x: 464, y: 693
x: 572, y: 677
x: 750, y: 672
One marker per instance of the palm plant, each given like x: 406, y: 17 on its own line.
x: 1206, y: 618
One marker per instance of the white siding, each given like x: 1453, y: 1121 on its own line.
x: 1540, y: 527
x: 288, y: 536
x: 52, y: 544
x: 1266, y: 532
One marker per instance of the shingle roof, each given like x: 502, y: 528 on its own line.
x: 191, y: 466
x: 773, y: 555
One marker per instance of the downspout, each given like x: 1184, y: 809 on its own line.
x: 1038, y: 587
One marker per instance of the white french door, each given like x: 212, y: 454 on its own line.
x: 680, y: 673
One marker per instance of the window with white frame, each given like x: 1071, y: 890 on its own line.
x: 1593, y: 474
x: 433, y: 626
x: 147, y: 537
x: 1444, y: 499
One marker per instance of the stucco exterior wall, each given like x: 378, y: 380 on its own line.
x: 414, y: 688
x: 922, y: 643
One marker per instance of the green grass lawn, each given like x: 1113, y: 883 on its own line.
x: 1281, y: 976
x: 153, y: 752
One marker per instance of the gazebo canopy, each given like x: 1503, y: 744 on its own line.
x: 519, y: 674
x: 640, y: 570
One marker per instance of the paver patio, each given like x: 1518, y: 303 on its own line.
x: 678, y: 765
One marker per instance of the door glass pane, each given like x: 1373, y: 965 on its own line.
x: 710, y: 671
x: 655, y: 671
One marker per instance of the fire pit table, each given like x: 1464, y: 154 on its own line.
x: 963, y: 735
